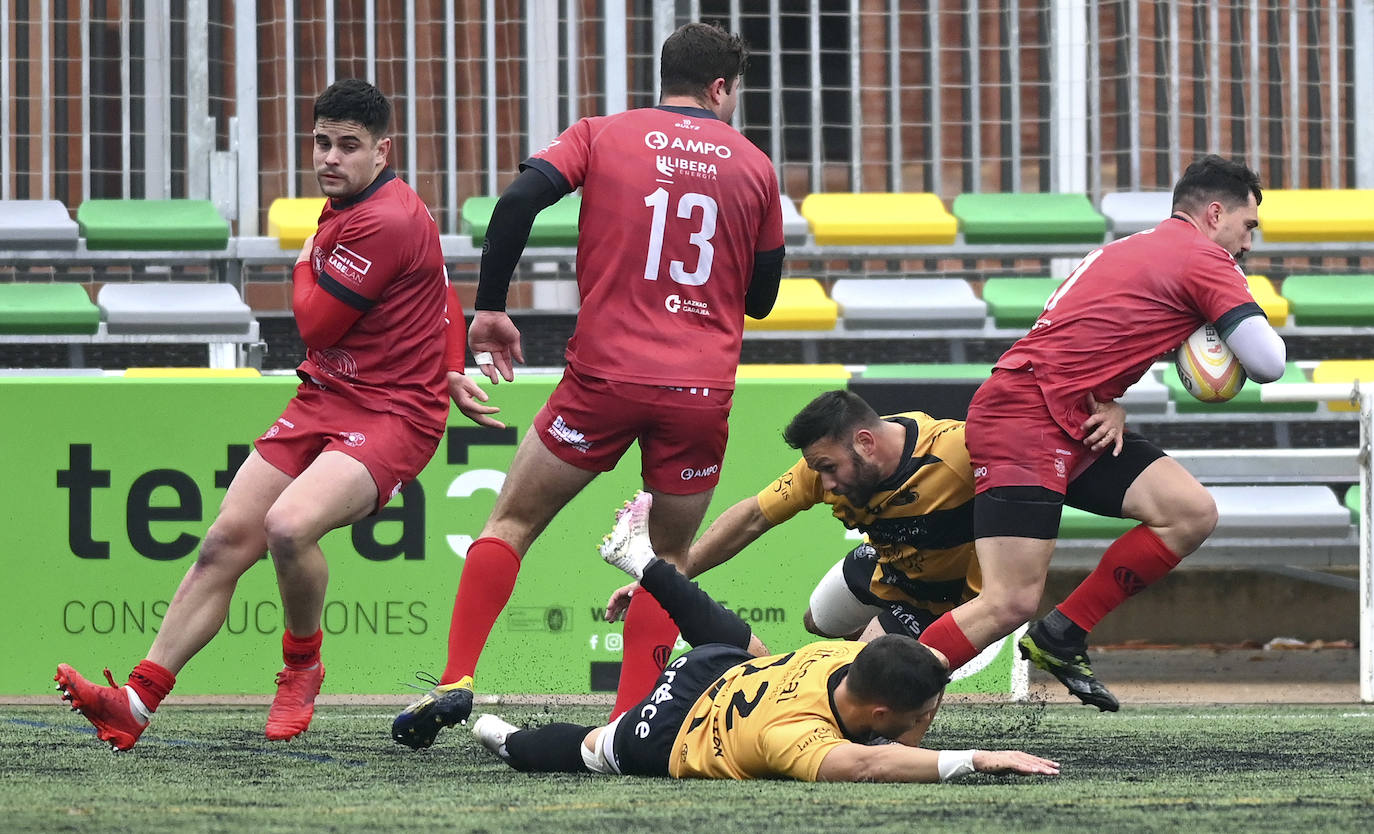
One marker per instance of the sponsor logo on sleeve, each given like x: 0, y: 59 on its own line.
x: 348, y: 264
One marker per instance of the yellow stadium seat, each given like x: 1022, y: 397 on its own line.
x: 1274, y: 305
x: 293, y: 219
x: 879, y: 219
x: 802, y: 305
x: 1344, y: 370
x: 191, y: 373
x: 757, y: 372
x: 1313, y: 214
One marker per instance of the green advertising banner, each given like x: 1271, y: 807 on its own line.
x: 112, y: 482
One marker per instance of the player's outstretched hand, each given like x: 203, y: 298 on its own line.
x: 495, y: 344
x: 469, y: 396
x: 1014, y: 761
x: 619, y: 602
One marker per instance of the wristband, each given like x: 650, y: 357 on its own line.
x: 954, y: 764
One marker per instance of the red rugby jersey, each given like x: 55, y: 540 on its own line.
x: 1123, y: 307
x: 378, y: 252
x: 675, y: 203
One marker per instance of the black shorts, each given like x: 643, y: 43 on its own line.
x: 897, y: 617
x: 644, y: 737
x: 1034, y: 512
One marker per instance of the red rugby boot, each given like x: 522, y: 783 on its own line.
x: 106, y: 707
x: 294, y: 704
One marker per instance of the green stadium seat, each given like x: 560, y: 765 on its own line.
x: 802, y: 305
x: 47, y: 309
x: 36, y: 224
x: 1246, y: 402
x: 293, y: 219
x: 1352, y: 503
x: 846, y: 219
x: 555, y: 225
x: 174, y: 225
x: 959, y: 371
x: 1017, y: 302
x: 1029, y: 218
x: 1317, y: 215
x: 1333, y: 300
x: 1080, y: 524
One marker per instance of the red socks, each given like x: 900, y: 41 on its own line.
x: 649, y: 637
x: 152, y: 683
x: 485, y: 588
x: 301, y: 652
x: 945, y: 636
x: 1133, y: 562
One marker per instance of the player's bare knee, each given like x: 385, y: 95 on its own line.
x: 1193, y: 521
x: 286, y: 535
x: 1014, y: 608
x: 227, y: 544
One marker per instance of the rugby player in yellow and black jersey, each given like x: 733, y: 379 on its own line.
x: 903, y: 481
x: 722, y: 712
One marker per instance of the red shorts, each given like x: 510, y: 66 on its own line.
x: 1014, y: 441
x: 393, y: 448
x: 590, y: 422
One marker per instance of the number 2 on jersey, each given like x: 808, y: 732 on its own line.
x: 701, y: 238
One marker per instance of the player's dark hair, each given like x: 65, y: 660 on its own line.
x: 834, y: 414
x: 697, y: 54
x: 897, y: 672
x: 354, y: 100
x: 1214, y: 178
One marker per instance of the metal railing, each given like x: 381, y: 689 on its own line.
x: 200, y: 99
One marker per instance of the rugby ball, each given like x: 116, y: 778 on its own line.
x: 1207, y: 367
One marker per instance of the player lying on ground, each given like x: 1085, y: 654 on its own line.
x: 722, y: 711
x: 906, y: 483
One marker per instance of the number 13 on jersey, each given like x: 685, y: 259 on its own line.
x: 689, y: 205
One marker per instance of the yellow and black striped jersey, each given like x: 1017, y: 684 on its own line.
x: 766, y: 718
x: 920, y: 520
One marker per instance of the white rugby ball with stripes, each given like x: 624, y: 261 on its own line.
x: 1207, y: 367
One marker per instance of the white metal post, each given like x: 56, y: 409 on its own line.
x: 1366, y: 639
x: 1363, y: 39
x: 1350, y: 392
x: 616, y: 75
x: 200, y: 130
x: 157, y: 74
x: 541, y: 73
x: 246, y: 112
x: 1069, y: 97
x: 664, y: 23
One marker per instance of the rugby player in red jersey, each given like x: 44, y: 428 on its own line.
x: 1046, y: 418
x: 680, y: 237
x: 384, y: 337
